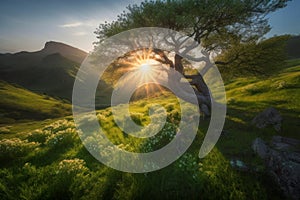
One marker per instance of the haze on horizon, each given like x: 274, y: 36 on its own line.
x: 27, y: 26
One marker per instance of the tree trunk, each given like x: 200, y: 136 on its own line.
x: 201, y: 89
x: 178, y: 64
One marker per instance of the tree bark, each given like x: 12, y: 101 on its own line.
x: 201, y: 89
x: 178, y: 64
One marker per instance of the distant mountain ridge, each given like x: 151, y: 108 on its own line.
x: 65, y: 50
x: 51, y: 70
x: 51, y: 47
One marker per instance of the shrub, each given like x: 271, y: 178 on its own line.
x: 62, y: 138
x: 4, y: 130
x: 38, y: 136
x: 59, y: 126
x: 160, y: 139
x: 15, y: 148
x: 137, y: 118
x: 174, y: 116
x: 188, y: 164
x: 170, y: 107
x: 71, y: 166
x: 67, y: 171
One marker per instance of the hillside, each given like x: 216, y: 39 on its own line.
x: 51, y: 161
x: 19, y: 104
x: 293, y: 50
x: 51, y: 70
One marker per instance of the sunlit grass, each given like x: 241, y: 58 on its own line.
x: 48, y: 160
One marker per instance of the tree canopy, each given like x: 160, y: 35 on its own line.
x: 219, y: 26
x: 215, y: 23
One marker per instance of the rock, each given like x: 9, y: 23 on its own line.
x: 270, y: 116
x: 295, y: 157
x: 284, y: 143
x: 282, y: 160
x: 280, y: 139
x: 281, y: 146
x: 238, y: 164
x: 286, y: 173
x: 260, y: 148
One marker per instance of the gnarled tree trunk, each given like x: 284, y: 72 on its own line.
x: 200, y: 87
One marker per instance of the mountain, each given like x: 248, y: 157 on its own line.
x: 24, y: 59
x: 50, y: 71
x: 65, y: 50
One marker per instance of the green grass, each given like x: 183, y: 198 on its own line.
x: 19, y: 104
x: 43, y: 166
x: 248, y: 96
x: 46, y: 159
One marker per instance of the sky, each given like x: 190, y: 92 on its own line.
x: 27, y: 25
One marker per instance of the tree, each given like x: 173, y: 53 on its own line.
x: 217, y: 25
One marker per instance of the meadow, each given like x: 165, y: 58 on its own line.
x: 47, y: 160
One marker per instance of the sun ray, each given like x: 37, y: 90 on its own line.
x: 143, y: 68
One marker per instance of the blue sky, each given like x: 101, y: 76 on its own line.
x: 27, y: 25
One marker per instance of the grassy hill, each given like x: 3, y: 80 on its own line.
x: 248, y: 96
x: 18, y: 104
x: 293, y: 47
x: 48, y: 160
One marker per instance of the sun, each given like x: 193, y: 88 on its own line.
x: 145, y: 68
x: 142, y: 67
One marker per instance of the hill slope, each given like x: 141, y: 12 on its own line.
x: 52, y: 162
x: 293, y: 49
x: 18, y: 103
x: 50, y: 70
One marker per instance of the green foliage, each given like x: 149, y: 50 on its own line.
x: 38, y: 136
x: 260, y: 58
x: 37, y: 164
x: 200, y: 19
x: 160, y: 139
x: 4, y: 130
x: 15, y: 148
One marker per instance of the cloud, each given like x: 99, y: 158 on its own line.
x: 80, y: 33
x: 71, y: 25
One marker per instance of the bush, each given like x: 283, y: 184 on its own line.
x: 174, y: 116
x: 160, y: 139
x: 170, y: 107
x: 59, y: 126
x: 137, y: 118
x: 66, y: 172
x: 62, y: 132
x: 62, y: 138
x: 15, y: 148
x: 71, y: 167
x: 38, y: 136
x: 4, y: 130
